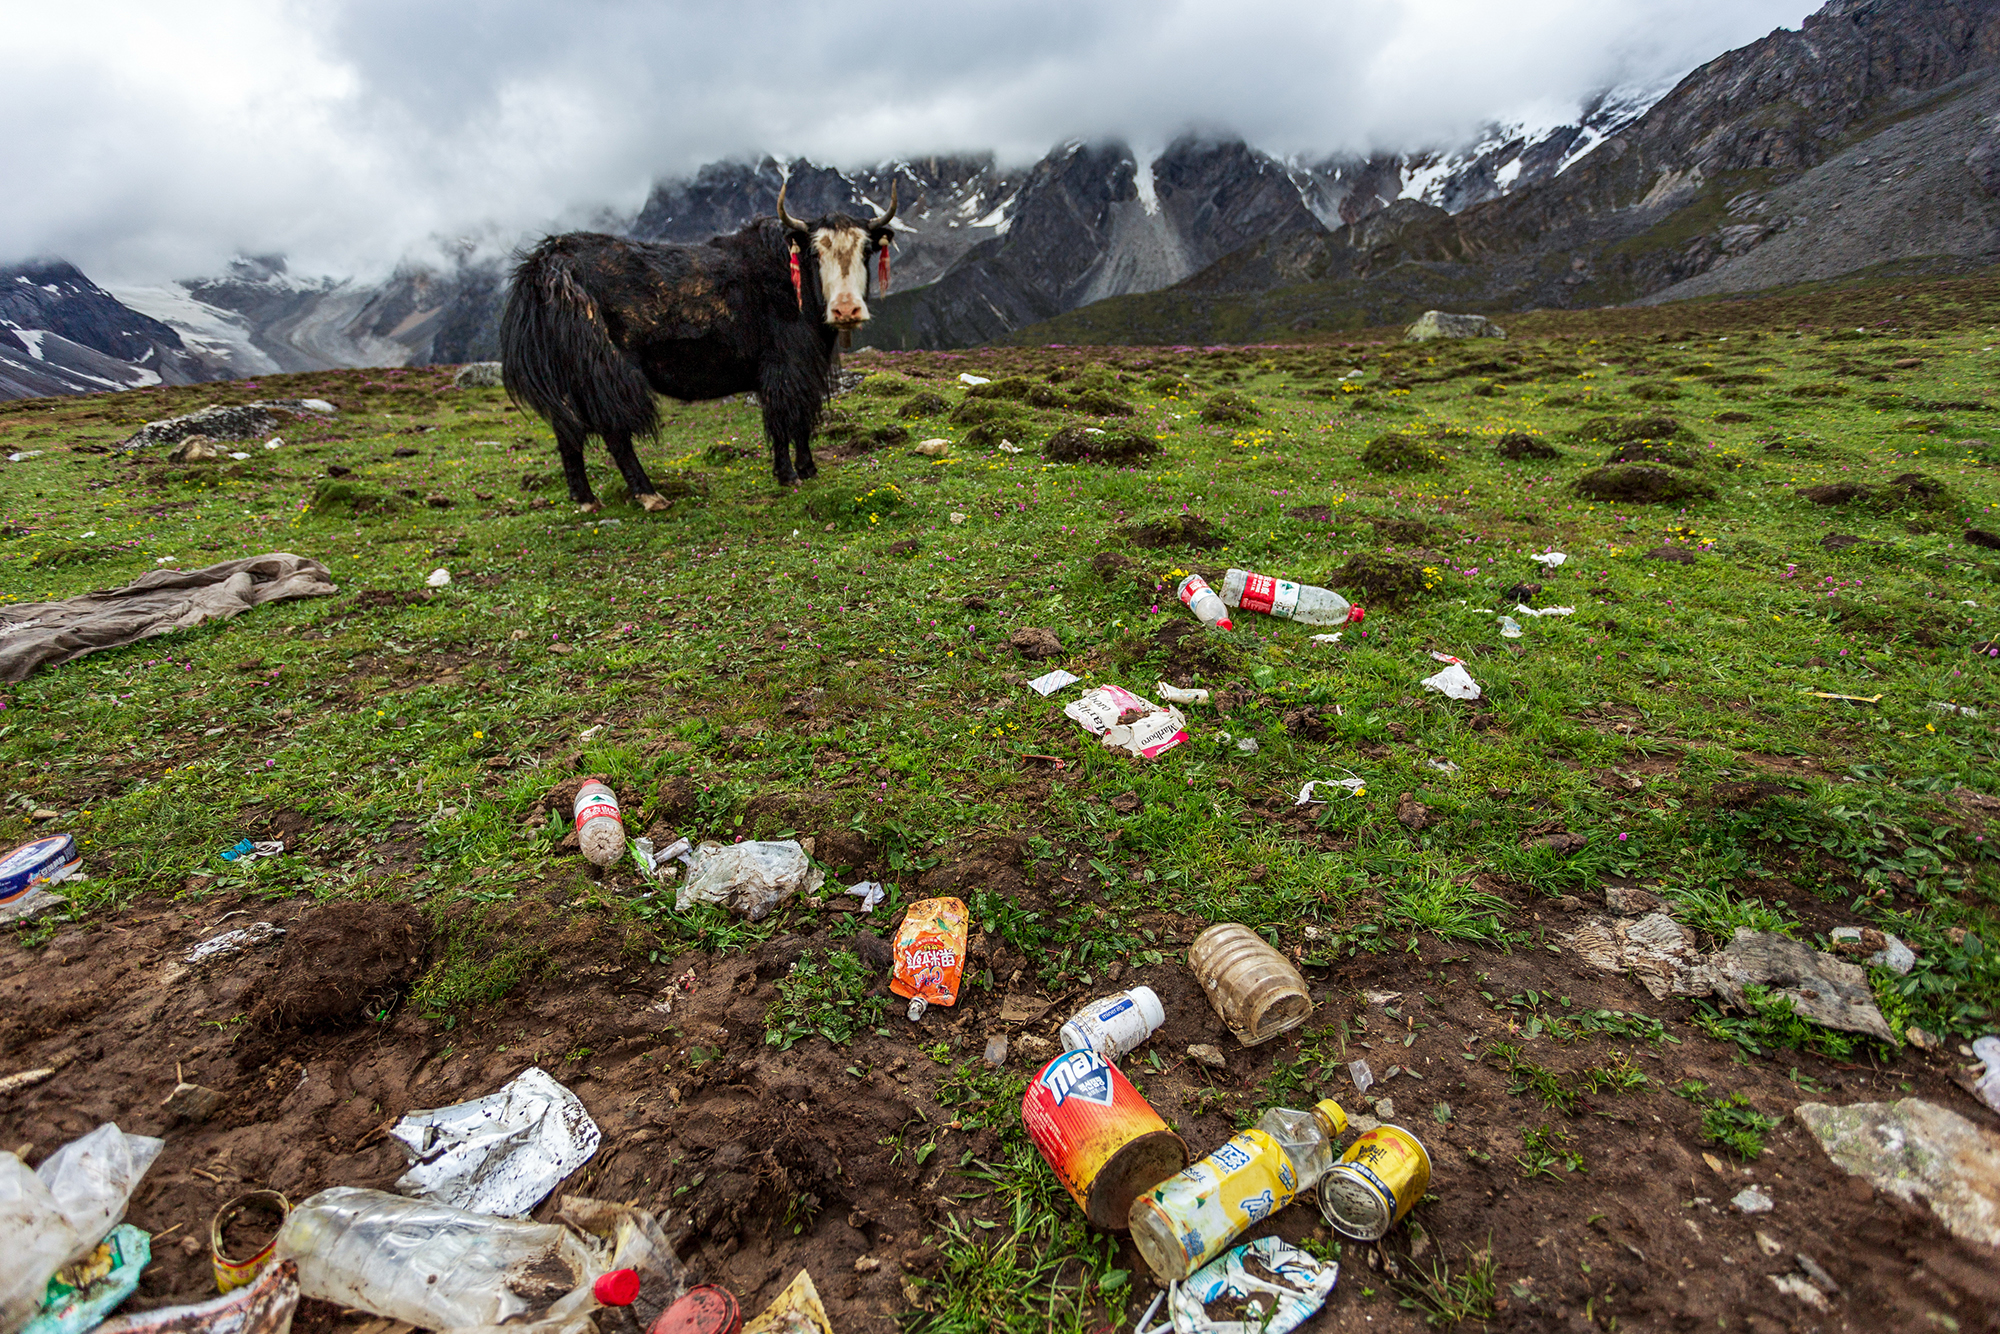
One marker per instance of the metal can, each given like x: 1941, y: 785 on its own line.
x: 1116, y: 1024
x: 1378, y: 1179
x: 42, y: 862
x: 1105, y: 1143
x: 703, y: 1310
x: 231, y: 1274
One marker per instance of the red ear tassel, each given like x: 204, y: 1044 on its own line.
x: 882, y: 270
x: 798, y: 290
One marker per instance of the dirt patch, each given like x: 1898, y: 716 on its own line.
x: 1382, y: 580
x: 1193, y: 653
x: 1035, y: 642
x: 1643, y: 484
x: 378, y: 599
x: 1077, y: 444
x: 1519, y: 446
x: 1180, y: 530
x: 1111, y: 567
x: 1979, y: 537
x: 341, y: 964
x: 1405, y: 530
x: 1678, y: 555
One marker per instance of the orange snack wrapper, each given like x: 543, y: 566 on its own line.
x: 930, y: 951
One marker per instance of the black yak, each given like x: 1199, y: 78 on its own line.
x: 595, y: 325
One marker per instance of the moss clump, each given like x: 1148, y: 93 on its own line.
x: 336, y: 496
x: 1228, y: 408
x: 1655, y: 451
x: 1397, y: 452
x: 925, y: 404
x: 1383, y: 581
x: 1654, y: 393
x: 1181, y: 530
x: 885, y: 386
x: 1077, y: 444
x: 1519, y: 447
x: 1642, y: 484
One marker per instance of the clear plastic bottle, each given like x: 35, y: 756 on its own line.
x: 1199, y: 598
x: 1186, y: 1221
x: 600, y: 831
x: 1253, y: 987
x: 1304, y: 603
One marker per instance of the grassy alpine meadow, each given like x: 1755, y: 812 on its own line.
x: 1765, y: 691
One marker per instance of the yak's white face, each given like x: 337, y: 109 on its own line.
x: 842, y: 256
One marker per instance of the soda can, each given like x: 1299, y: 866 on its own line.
x: 1105, y: 1143
x: 1378, y: 1179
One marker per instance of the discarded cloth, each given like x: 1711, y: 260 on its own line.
x: 43, y: 634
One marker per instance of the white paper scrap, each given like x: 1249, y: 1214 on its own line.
x: 1050, y: 682
x: 1333, y: 638
x: 1453, y: 681
x: 869, y: 892
x: 1523, y: 609
x: 1549, y: 558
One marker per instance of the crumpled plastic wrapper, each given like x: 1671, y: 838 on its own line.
x: 1303, y: 1287
x: 1453, y: 681
x: 750, y: 878
x: 231, y: 942
x: 1152, y: 730
x: 501, y: 1154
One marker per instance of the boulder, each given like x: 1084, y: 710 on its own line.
x: 477, y: 375
x: 1442, y: 324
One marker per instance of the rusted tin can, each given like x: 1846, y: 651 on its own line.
x: 1105, y: 1143
x: 1378, y: 1179
x: 232, y: 1273
x: 703, y: 1310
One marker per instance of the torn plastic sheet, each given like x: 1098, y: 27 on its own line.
x: 654, y: 861
x: 1306, y: 797
x: 248, y: 851
x: 869, y: 892
x: 1289, y: 1288
x: 1442, y: 766
x: 967, y: 377
x: 1151, y: 732
x: 1987, y: 1049
x: 1333, y: 638
x: 1523, y: 609
x: 32, y: 904
x: 1549, y: 558
x: 57, y: 1213
x: 1453, y: 681
x: 1655, y: 949
x: 232, y: 942
x: 1363, y: 1077
x: 1173, y: 694
x: 501, y: 1154
x: 1050, y: 682
x: 1509, y: 628
x: 263, y: 1307
x: 750, y: 878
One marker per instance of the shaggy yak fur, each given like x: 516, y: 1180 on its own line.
x: 595, y: 325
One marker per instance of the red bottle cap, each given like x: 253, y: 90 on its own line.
x: 1225, y: 624
x: 704, y: 1310
x: 617, y: 1288
x: 1354, y: 615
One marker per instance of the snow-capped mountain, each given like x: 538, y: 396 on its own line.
x: 60, y: 333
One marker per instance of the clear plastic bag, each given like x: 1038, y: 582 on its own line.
x: 58, y: 1212
x: 748, y: 878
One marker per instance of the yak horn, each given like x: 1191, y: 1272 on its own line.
x: 884, y: 220
x: 787, y: 219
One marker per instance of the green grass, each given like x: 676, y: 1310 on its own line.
x: 824, y: 995
x: 1445, y: 1298
x: 752, y: 661
x: 1729, y: 1120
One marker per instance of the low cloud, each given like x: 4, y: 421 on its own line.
x: 151, y: 141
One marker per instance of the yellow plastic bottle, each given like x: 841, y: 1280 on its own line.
x: 1188, y: 1219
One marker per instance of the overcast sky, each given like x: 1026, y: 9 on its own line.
x: 153, y: 140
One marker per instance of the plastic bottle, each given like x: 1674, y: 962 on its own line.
x: 1199, y: 598
x: 1115, y: 1025
x: 1253, y: 987
x: 599, y: 830
x: 1186, y: 1221
x: 1286, y: 600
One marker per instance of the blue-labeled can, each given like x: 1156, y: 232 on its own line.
x: 38, y: 863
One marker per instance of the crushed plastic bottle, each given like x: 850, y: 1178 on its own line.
x: 1253, y: 988
x: 1186, y: 1221
x: 1285, y: 600
x: 600, y: 832
x: 1199, y: 598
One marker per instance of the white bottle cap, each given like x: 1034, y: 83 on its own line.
x: 1149, y: 1006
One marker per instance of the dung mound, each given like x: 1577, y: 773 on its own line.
x: 1520, y: 446
x: 1641, y: 483
x: 1394, y: 453
x: 925, y: 404
x: 1181, y: 530
x: 1381, y: 580
x: 339, y: 965
x: 1622, y: 430
x: 1835, y: 493
x: 1228, y: 408
x: 1404, y: 530
x: 1311, y: 514
x: 1655, y: 451
x: 1908, y: 489
x: 341, y: 498
x: 1191, y: 653
x: 1074, y: 444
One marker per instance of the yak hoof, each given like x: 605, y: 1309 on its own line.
x: 588, y: 507
x: 654, y: 501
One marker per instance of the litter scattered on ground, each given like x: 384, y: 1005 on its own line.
x: 58, y: 1213
x: 501, y: 1154
x: 43, y: 634
x: 265, y: 1307
x: 1378, y: 1180
x: 930, y: 954
x: 600, y: 829
x: 81, y: 1295
x: 1912, y: 1148
x: 1355, y: 787
x: 796, y: 1310
x: 1173, y: 694
x: 1657, y: 950
x: 438, y: 578
x: 45, y: 861
x: 1099, y: 1135
x: 1523, y: 609
x: 1008, y: 447
x: 1882, y: 949
x: 1115, y: 1025
x: 1551, y: 559
x: 1049, y: 682
x: 1959, y: 709
x: 1247, y: 745
x: 1297, y: 1286
x: 1333, y: 638
x: 250, y: 850
x: 1153, y: 730
x: 1207, y: 606
x: 655, y: 862
x: 749, y: 878
x: 1851, y: 699
x: 995, y: 1054
x: 967, y: 377
x: 1255, y: 989
x: 1454, y: 681
x: 1442, y: 766
x: 233, y: 942
x: 870, y: 893
x: 1820, y: 987
x: 1363, y: 1077
x: 1752, y: 1201
x: 1509, y: 628
x: 240, y: 1271
x: 1987, y: 1049
x: 933, y: 449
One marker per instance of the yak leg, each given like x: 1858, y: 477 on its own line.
x: 636, y: 480
x: 791, y: 410
x: 570, y: 448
